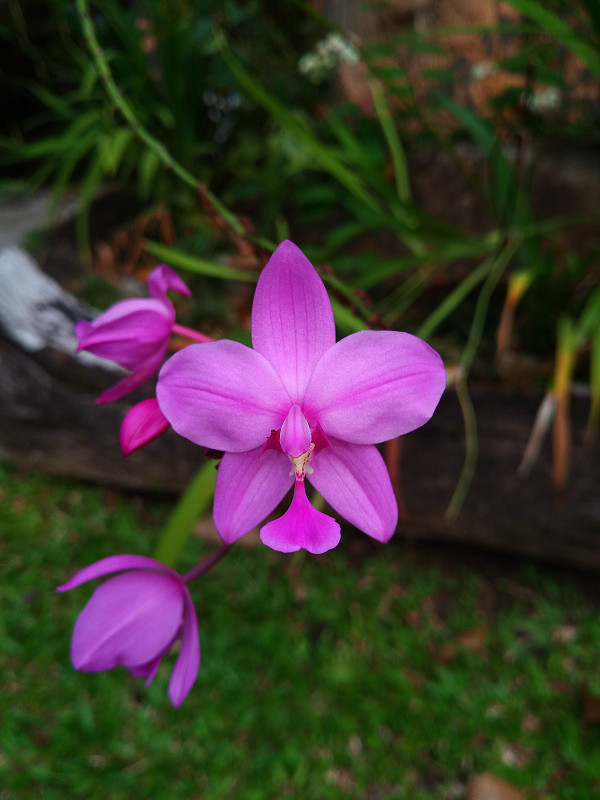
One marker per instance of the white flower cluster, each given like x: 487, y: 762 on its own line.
x: 327, y: 54
x: 546, y: 99
x: 480, y: 70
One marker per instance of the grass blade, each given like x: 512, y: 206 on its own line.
x: 177, y: 258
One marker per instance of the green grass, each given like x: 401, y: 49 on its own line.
x: 340, y: 676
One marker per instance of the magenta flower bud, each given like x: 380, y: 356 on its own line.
x: 142, y: 423
x: 134, y: 333
x: 134, y: 619
x: 300, y: 406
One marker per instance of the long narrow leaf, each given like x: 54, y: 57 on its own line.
x: 195, y: 501
x: 456, y: 296
x: 592, y: 427
x: 176, y: 258
x: 392, y: 267
x: 393, y: 141
x: 345, y: 320
x: 504, y: 194
x: 551, y: 23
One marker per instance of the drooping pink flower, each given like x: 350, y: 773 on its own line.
x: 134, y: 333
x: 142, y: 423
x: 301, y: 406
x: 134, y: 619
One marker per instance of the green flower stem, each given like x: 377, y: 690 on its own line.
x: 483, y: 301
x: 471, y: 448
x: 462, y: 391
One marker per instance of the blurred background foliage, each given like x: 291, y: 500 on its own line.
x: 242, y: 123
x: 441, y: 169
x: 369, y: 672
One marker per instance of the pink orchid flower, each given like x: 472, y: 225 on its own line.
x: 301, y: 406
x: 134, y: 333
x: 134, y: 619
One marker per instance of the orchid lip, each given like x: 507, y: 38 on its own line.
x: 301, y: 527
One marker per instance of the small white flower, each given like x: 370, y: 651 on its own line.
x: 546, y: 99
x: 325, y: 56
x: 481, y: 70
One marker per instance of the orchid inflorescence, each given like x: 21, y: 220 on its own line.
x: 296, y: 407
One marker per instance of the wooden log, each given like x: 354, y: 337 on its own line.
x: 48, y: 417
x: 503, y: 510
x: 49, y: 421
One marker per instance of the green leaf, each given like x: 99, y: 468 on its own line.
x: 177, y: 258
x: 390, y: 132
x: 551, y: 23
x: 345, y: 319
x: 195, y: 501
x: 341, y: 235
x: 589, y: 320
x: 71, y: 160
x: 456, y: 296
x: 390, y: 268
x: 113, y: 146
x: 148, y: 168
x: 594, y: 383
x: 505, y: 195
x: 593, y: 9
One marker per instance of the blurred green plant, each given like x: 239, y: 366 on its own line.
x: 422, y: 673
x: 176, y: 110
x: 125, y: 99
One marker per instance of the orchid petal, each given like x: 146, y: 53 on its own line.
x: 129, y: 620
x: 128, y: 384
x: 249, y: 486
x: 292, y: 320
x: 355, y: 482
x: 222, y: 395
x: 130, y: 332
x: 273, y: 442
x: 82, y: 330
x: 187, y: 665
x: 142, y: 423
x: 106, y: 566
x: 163, y: 279
x: 302, y: 526
x: 147, y: 671
x: 295, y: 433
x: 319, y: 439
x: 375, y: 385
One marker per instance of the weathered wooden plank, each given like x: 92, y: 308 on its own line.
x: 48, y: 417
x: 49, y: 421
x: 503, y: 510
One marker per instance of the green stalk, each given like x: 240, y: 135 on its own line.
x: 483, y: 302
x: 471, y: 448
x: 455, y: 297
x: 594, y: 386
x: 393, y: 141
x: 462, y: 392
